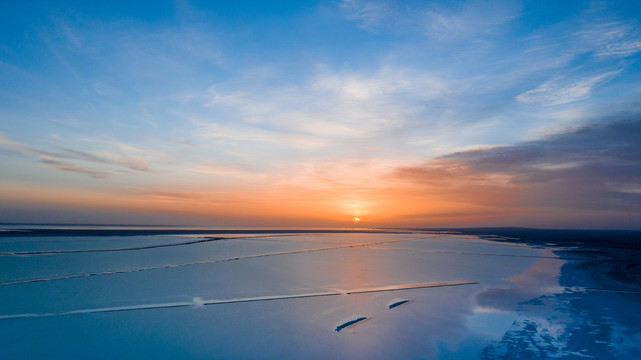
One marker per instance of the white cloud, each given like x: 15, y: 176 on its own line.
x: 237, y: 132
x: 97, y: 164
x: 560, y: 91
x: 470, y: 19
x: 370, y: 14
x: 329, y: 106
x: 373, y: 87
x: 608, y: 37
x: 449, y: 21
x: 625, y: 48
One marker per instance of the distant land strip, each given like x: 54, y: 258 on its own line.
x: 32, y: 232
x: 548, y: 237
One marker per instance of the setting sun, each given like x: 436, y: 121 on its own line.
x: 357, y: 219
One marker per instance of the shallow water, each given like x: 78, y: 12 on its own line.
x: 285, y: 295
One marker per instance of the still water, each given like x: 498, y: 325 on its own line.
x: 403, y: 295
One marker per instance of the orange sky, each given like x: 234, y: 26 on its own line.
x: 439, y: 194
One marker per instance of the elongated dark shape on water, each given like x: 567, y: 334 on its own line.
x: 398, y: 303
x: 49, y: 252
x: 350, y: 323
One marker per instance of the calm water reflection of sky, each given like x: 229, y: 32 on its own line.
x: 527, y: 302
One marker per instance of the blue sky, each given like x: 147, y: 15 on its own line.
x: 216, y: 112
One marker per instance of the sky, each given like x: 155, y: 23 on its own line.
x: 311, y: 113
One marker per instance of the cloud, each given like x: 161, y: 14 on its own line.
x: 164, y: 195
x: 59, y: 165
x: 129, y: 162
x: 238, y: 133
x: 588, y: 168
x: 369, y: 14
x: 621, y: 49
x: 333, y: 104
x: 440, y: 190
x: 447, y: 174
x: 441, y: 22
x: 561, y: 91
x: 574, y: 56
x: 322, y: 114
x: 469, y: 19
x: 524, y: 74
x: 55, y: 159
x: 611, y: 37
x: 587, y: 174
x: 615, y: 140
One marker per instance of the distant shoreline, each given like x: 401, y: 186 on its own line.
x: 554, y: 237
x: 39, y: 231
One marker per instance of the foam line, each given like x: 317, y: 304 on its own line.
x: 169, y: 266
x: 198, y: 302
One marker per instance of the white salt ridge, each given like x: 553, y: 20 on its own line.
x: 199, y: 302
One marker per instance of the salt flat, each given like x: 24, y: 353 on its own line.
x: 297, y: 294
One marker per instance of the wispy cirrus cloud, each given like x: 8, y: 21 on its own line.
x: 611, y: 37
x: 621, y: 49
x: 562, y: 90
x: 576, y: 56
x: 327, y: 110
x: 236, y: 133
x: 369, y: 14
x: 57, y: 157
x: 452, y: 21
x: 469, y: 19
x: 65, y: 166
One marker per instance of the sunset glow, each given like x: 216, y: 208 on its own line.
x: 321, y: 113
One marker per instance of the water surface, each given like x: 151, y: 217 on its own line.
x: 285, y: 294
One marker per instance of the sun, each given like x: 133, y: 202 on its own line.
x: 357, y: 219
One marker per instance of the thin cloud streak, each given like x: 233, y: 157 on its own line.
x: 59, y: 165
x: 53, y: 159
x: 561, y: 91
